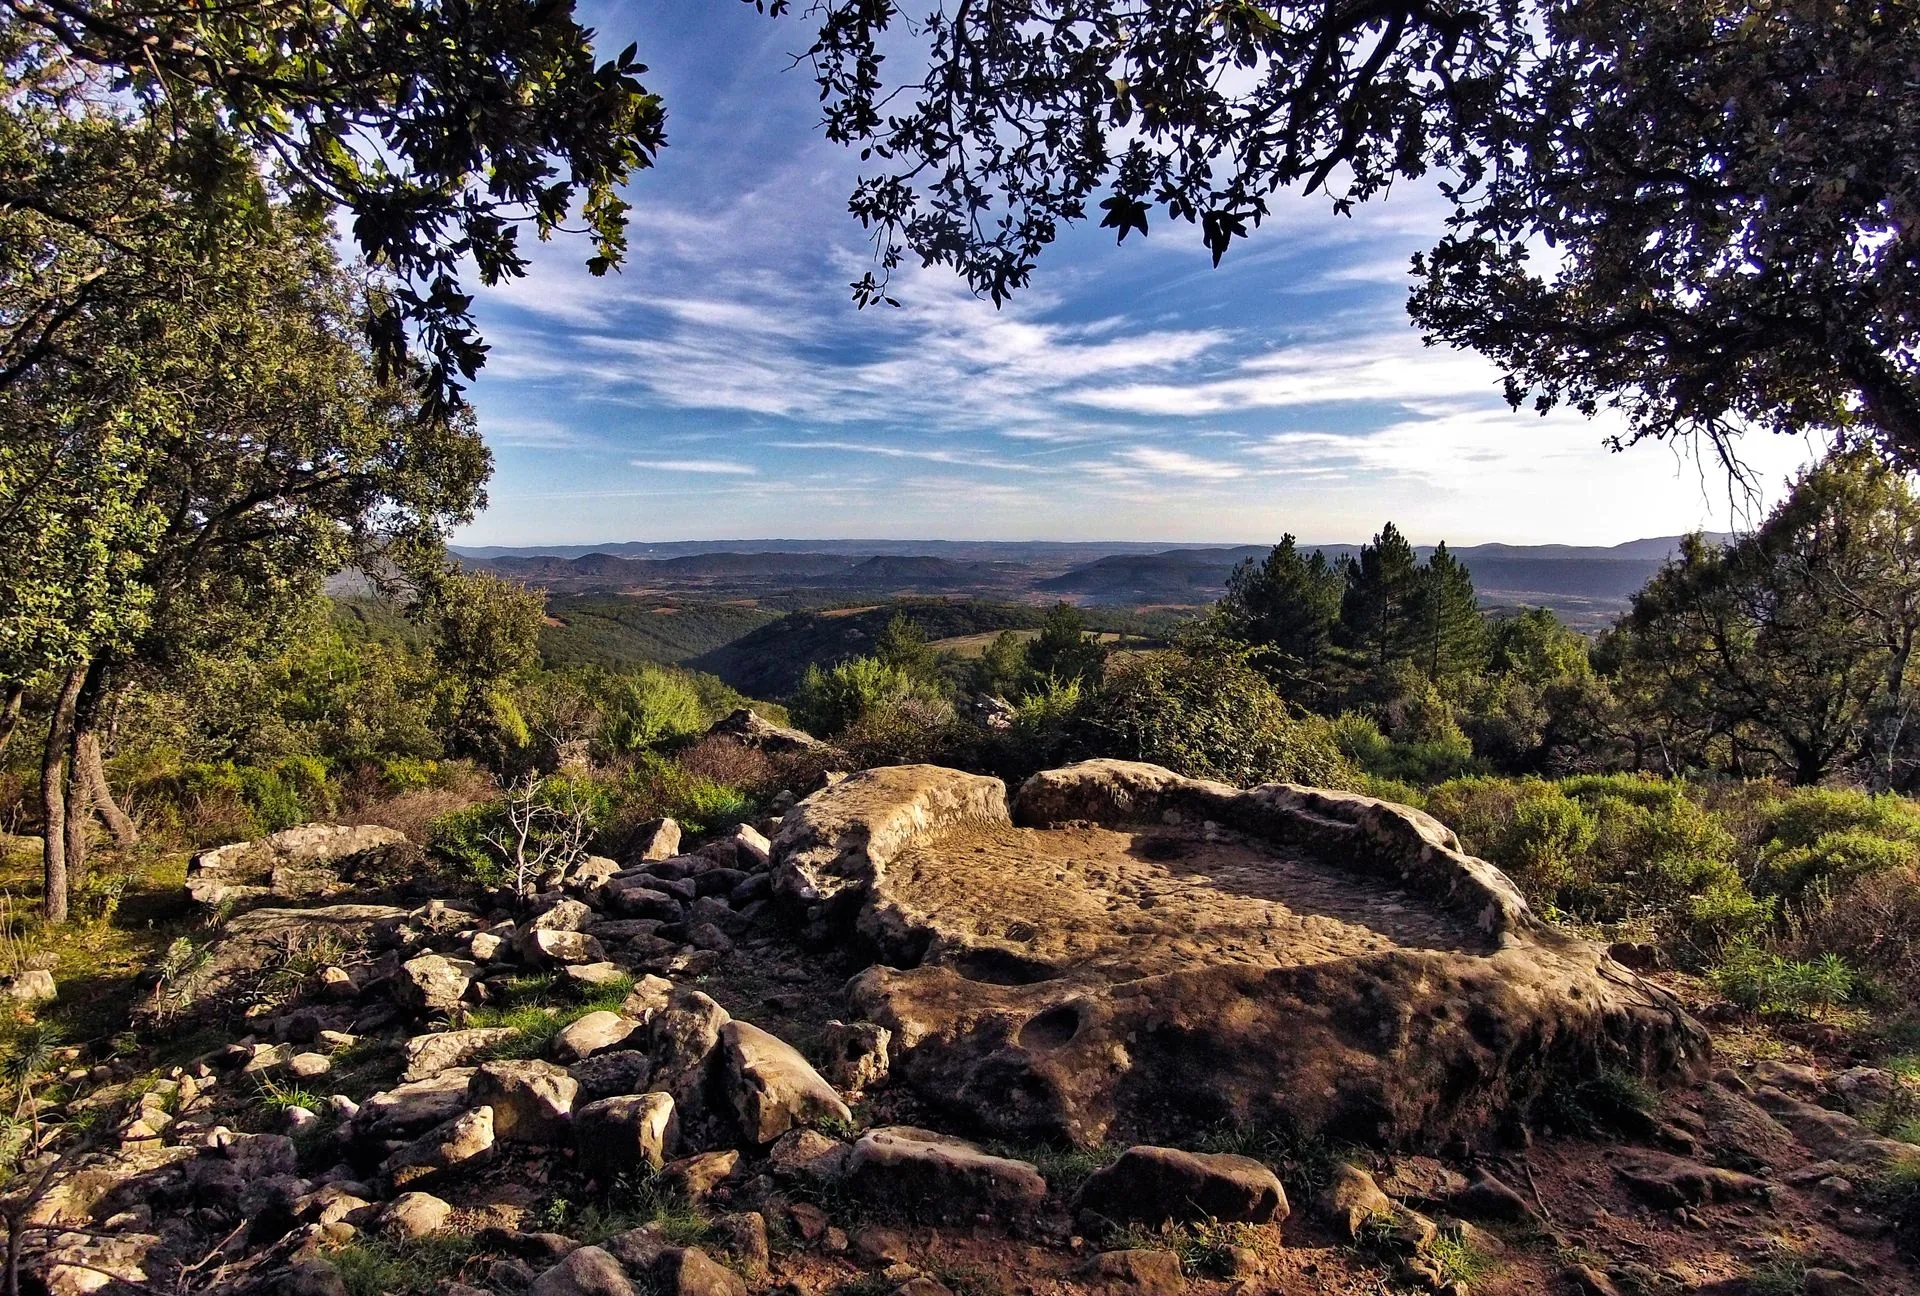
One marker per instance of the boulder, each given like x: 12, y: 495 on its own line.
x: 769, y: 1087
x: 1155, y: 1185
x: 80, y: 1263
x: 751, y: 729
x: 640, y: 896
x: 1351, y: 1199
x: 934, y: 1178
x: 546, y: 947
x: 431, y: 983
x: 743, y: 847
x: 1669, y: 1182
x: 252, y: 940
x: 607, y: 1075
x: 807, y: 1158
x: 408, y: 1108
x: 649, y: 995
x: 681, y: 1037
x: 630, y: 1134
x: 696, y: 1177
x: 34, y: 985
x: 592, y: 976
x: 460, y: 1142
x: 656, y: 839
x: 689, y: 1271
x: 428, y: 1055
x: 591, y: 1034
x: 562, y: 915
x: 414, y: 1215
x: 532, y: 1101
x: 743, y: 1236
x: 295, y: 863
x: 1164, y: 954
x: 588, y: 1271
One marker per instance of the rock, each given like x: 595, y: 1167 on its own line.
x: 311, y: 1277
x: 414, y: 1215
x: 409, y: 1108
x: 252, y: 940
x: 1154, y: 1185
x: 428, y: 1055
x: 1350, y: 1200
x: 934, y: 1178
x: 743, y: 1236
x: 1488, y: 1198
x: 608, y: 1075
x: 770, y: 1087
x: 856, y: 1053
x: 649, y: 995
x: 1588, y: 1281
x: 1641, y: 956
x: 431, y: 983
x: 591, y: 872
x: 34, y: 985
x: 615, y: 1136
x: 591, y: 1034
x: 76, y: 1264
x: 743, y: 847
x: 1037, y: 979
x: 689, y: 1271
x: 640, y: 897
x: 1830, y: 1282
x: 1669, y: 1182
x: 750, y: 729
x: 531, y: 1100
x: 681, y: 1037
x: 297, y: 862
x: 1864, y: 1088
x: 462, y: 1141
x: 1418, y: 1179
x: 546, y: 947
x: 589, y: 1271
x: 707, y: 936
x: 309, y: 1066
x: 1153, y: 1272
x: 562, y: 915
x: 656, y: 839
x: 807, y: 1157
x: 697, y: 1176
x: 592, y: 976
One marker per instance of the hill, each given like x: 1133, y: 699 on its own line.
x: 616, y: 630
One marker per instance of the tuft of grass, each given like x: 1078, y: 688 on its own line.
x: 1895, y: 1193
x: 966, y: 1280
x: 1064, y: 1169
x: 1781, y: 1276
x: 1204, y: 1250
x: 1458, y: 1260
x: 376, y: 1267
x: 1612, y: 1100
x: 1305, y: 1161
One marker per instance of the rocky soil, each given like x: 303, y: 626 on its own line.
x: 682, y: 1073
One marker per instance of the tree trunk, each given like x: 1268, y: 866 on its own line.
x: 53, y: 797
x: 86, y: 750
x: 16, y: 692
x: 79, y: 813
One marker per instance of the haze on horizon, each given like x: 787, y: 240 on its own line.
x: 724, y: 387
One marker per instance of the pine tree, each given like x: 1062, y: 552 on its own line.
x: 1453, y: 638
x: 1379, y: 608
x: 1288, y: 602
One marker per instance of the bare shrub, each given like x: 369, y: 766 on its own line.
x: 1872, y: 921
x: 733, y: 765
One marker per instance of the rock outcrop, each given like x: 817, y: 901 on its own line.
x: 1147, y: 955
x: 294, y: 863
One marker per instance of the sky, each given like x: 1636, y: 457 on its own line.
x: 724, y: 386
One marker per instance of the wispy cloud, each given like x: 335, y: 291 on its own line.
x: 701, y: 467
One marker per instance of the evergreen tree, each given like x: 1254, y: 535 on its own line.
x: 1380, y: 607
x: 903, y: 645
x: 1453, y: 638
x: 1064, y: 649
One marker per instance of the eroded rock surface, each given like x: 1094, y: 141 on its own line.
x: 1135, y: 952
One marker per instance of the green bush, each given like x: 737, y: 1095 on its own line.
x: 1210, y: 717
x: 1434, y: 754
x: 460, y: 836
x: 211, y: 802
x: 647, y: 706
x: 1762, y: 981
x: 831, y: 700
x: 1789, y: 871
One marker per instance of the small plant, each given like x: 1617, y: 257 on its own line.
x: 1761, y: 981
x: 1458, y: 1259
x: 544, y: 832
x: 1064, y: 1169
x: 381, y: 1268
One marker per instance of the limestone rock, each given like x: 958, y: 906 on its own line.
x: 297, y: 862
x: 1668, y: 1182
x: 591, y: 976
x: 414, y: 1215
x: 1150, y: 1272
x: 689, y: 1271
x: 428, y: 1055
x: 770, y: 1087
x: 856, y: 1053
x: 411, y: 1107
x: 649, y: 995
x: 681, y: 1037
x: 1038, y: 978
x: 807, y: 1157
x: 464, y: 1140
x: 1153, y: 1185
x: 588, y: 1271
x: 743, y: 1236
x: 620, y: 1135
x: 656, y: 839
x: 431, y: 983
x: 546, y: 947
x: 77, y: 1264
x: 698, y: 1176
x: 592, y: 1034
x: 935, y: 1178
x: 1350, y: 1199
x: 751, y: 729
x: 34, y: 985
x: 610, y: 1074
x: 562, y: 915
x: 531, y: 1100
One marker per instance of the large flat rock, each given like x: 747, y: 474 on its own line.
x: 1134, y: 954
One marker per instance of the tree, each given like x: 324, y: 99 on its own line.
x: 238, y: 446
x: 1451, y: 638
x: 1789, y: 650
x: 1379, y: 607
x: 439, y: 129
x: 1065, y: 650
x: 903, y: 645
x: 1001, y: 669
x: 1196, y: 109
x: 486, y: 633
x: 1724, y: 188
x: 1289, y: 604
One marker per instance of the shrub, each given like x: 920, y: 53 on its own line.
x: 658, y: 785
x: 647, y: 706
x: 907, y: 730
x: 831, y: 700
x: 1761, y: 981
x: 1429, y: 753
x: 1788, y: 870
x: 461, y: 836
x: 732, y: 764
x: 1872, y: 920
x: 1210, y: 717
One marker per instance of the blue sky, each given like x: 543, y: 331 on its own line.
x: 724, y: 386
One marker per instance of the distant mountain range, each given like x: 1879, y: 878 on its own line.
x: 1588, y: 585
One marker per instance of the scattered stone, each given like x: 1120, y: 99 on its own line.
x: 593, y: 1033
x: 707, y: 936
x: 562, y: 915
x: 689, y: 1271
x: 856, y: 1054
x: 807, y: 1157
x: 531, y: 1100
x: 34, y: 985
x: 610, y: 1074
x: 697, y: 1176
x: 588, y: 1271
x: 1830, y: 1282
x: 656, y: 839
x: 1351, y: 1199
x: 591, y: 872
x: 465, y: 1139
x: 1154, y: 1185
x: 545, y: 947
x: 744, y: 848
x: 295, y: 862
x: 615, y: 1136
x: 428, y: 1055
x: 743, y: 1236
x: 431, y: 983
x: 935, y: 1178
x: 309, y: 1066
x: 414, y: 1215
x: 591, y: 976
x: 681, y: 1037
x: 640, y: 896
x: 1150, y: 1272
x: 750, y: 729
x: 491, y: 946
x: 1669, y: 1182
x: 1488, y: 1198
x: 1588, y: 1281
x: 770, y: 1087
x: 1864, y: 1088
x: 411, y: 1107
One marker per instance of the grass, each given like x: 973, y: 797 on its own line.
x: 1304, y: 1161
x: 1895, y: 1193
x: 1780, y: 1276
x: 537, y: 1008
x: 1458, y: 1259
x: 1204, y: 1250
x: 376, y: 1267
x: 1612, y: 1100
x: 1064, y: 1169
